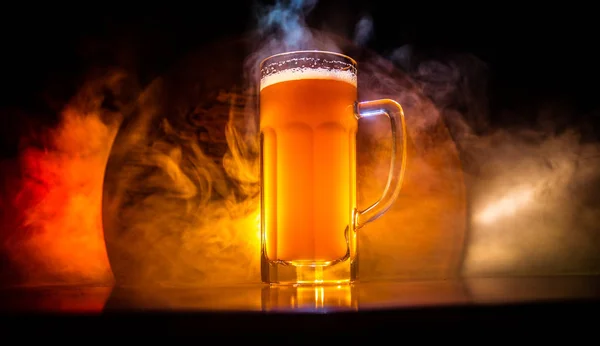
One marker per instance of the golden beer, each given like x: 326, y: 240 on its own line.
x: 308, y: 150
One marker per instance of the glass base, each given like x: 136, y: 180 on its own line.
x: 276, y: 273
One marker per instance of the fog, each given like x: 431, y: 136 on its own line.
x: 167, y: 173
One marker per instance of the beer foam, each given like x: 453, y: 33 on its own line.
x: 308, y: 73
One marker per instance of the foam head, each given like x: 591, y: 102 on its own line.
x: 304, y: 65
x: 300, y: 73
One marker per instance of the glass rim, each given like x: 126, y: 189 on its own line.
x: 352, y: 61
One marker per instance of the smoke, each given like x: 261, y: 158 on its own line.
x: 181, y: 203
x: 529, y: 193
x: 167, y: 177
x: 429, y: 244
x: 363, y: 31
x: 533, y: 205
x: 51, y: 202
x: 286, y: 21
x: 282, y: 27
x: 181, y: 199
x: 531, y: 187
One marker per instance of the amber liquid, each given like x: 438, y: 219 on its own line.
x: 308, y: 167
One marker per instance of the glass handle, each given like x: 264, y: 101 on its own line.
x: 393, y: 111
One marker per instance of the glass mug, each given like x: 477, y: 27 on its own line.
x: 308, y: 122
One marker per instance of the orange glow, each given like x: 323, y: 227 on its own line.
x: 54, y: 234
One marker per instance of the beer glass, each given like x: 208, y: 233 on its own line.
x: 309, y: 117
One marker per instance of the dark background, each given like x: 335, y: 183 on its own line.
x: 533, y: 54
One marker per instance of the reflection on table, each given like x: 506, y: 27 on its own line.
x: 319, y: 299
x: 78, y: 300
x: 289, y: 299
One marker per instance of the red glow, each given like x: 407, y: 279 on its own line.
x: 52, y: 217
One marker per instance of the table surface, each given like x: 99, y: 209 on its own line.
x: 488, y: 302
x: 255, y: 298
